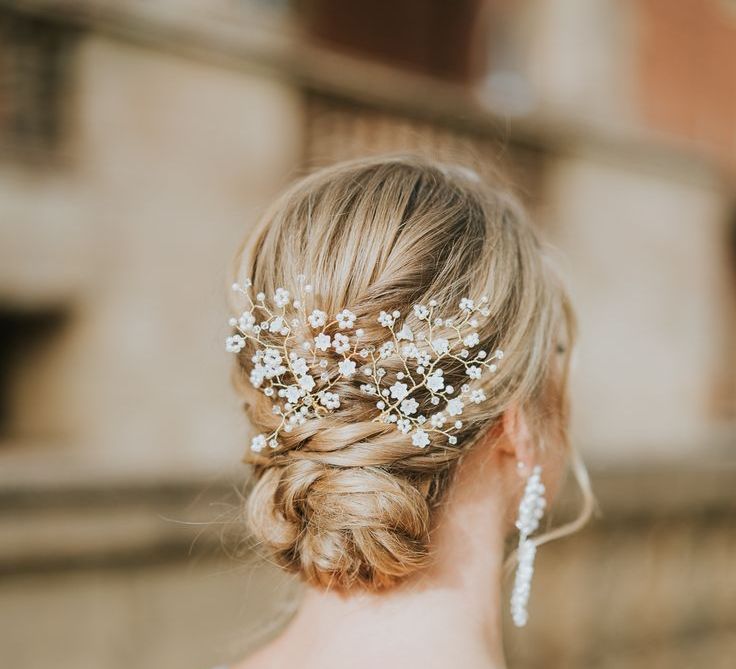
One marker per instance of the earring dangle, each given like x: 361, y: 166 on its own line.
x: 531, y: 510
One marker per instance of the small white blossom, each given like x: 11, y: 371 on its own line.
x: 435, y: 382
x: 404, y: 424
x: 306, y: 381
x: 257, y: 374
x: 420, y: 311
x: 420, y: 438
x: 322, y: 341
x: 299, y: 365
x: 409, y: 406
x: 234, y: 344
x: 246, y: 321
x: 257, y: 443
x: 347, y: 368
x: 386, y: 319
x: 281, y: 298
x: 399, y: 390
x: 345, y: 319
x: 405, y: 333
x: 329, y: 400
x: 467, y: 304
x: 472, y: 339
x: 271, y: 357
x: 277, y: 324
x: 317, y: 318
x: 292, y: 394
x: 455, y: 406
x: 368, y: 388
x: 437, y: 419
x: 441, y: 346
x: 477, y: 396
x: 387, y: 348
x: 473, y: 371
x: 341, y: 343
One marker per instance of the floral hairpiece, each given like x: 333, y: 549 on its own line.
x: 285, y: 370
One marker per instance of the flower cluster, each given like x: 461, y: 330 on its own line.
x: 293, y: 352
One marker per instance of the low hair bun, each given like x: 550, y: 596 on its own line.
x: 340, y: 526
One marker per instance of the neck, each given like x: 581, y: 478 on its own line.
x: 452, y: 609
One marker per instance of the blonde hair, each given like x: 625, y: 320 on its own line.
x: 346, y: 501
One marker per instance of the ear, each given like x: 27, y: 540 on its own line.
x: 517, y: 441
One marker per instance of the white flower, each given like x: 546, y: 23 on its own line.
x: 281, y: 298
x: 410, y: 350
x: 420, y: 311
x: 467, y: 304
x: 455, y: 406
x: 292, y: 393
x: 234, y: 344
x: 472, y: 339
x: 306, y: 381
x: 385, y: 319
x: 257, y: 443
x: 368, y: 388
x: 441, y: 346
x: 299, y: 365
x: 404, y: 424
x: 329, y: 400
x: 405, y: 333
x: 477, y: 396
x: 341, y: 343
x: 257, y: 374
x: 438, y: 419
x: 409, y: 406
x: 246, y: 321
x: 277, y: 324
x: 272, y: 363
x: 317, y: 318
x: 399, y: 390
x: 387, y: 348
x: 420, y: 438
x: 434, y: 381
x: 271, y: 357
x: 347, y: 368
x: 322, y: 341
x: 473, y: 371
x: 345, y: 319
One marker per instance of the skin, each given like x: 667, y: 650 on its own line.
x: 449, y: 615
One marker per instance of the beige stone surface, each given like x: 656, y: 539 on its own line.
x: 642, y: 249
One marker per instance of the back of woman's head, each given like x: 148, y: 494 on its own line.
x: 343, y: 499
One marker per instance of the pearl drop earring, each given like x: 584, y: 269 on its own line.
x: 531, y: 510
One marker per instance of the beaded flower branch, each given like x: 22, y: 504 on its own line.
x: 294, y: 369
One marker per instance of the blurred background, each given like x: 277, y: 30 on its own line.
x: 139, y: 141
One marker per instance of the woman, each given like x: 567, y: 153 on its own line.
x: 403, y: 347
